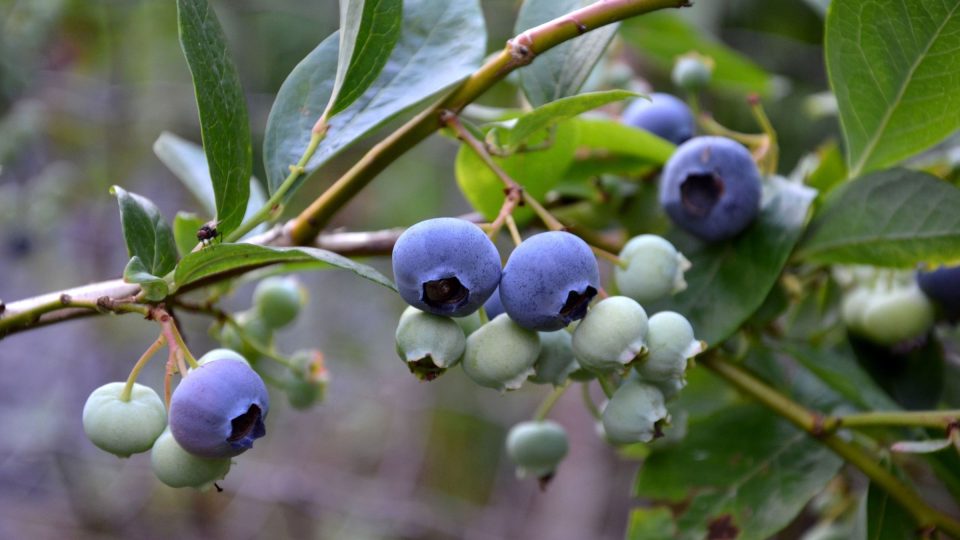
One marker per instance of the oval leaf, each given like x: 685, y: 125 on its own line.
x: 154, y: 288
x: 550, y: 114
x: 893, y: 66
x: 730, y: 280
x: 222, y: 107
x: 894, y: 218
x: 220, y: 260
x: 368, y: 31
x: 145, y: 232
x: 185, y: 227
x: 562, y: 70
x: 441, y: 43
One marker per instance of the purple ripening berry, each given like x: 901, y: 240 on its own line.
x: 665, y: 116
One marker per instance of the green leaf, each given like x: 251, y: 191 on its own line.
x: 562, y: 70
x: 650, y: 524
x: 185, y: 227
x: 369, y: 29
x: 440, y: 44
x: 886, y: 519
x: 537, y: 170
x: 730, y: 280
x: 188, y: 163
x: 743, y: 469
x: 552, y: 113
x: 154, y: 288
x: 220, y: 260
x: 894, y: 218
x: 840, y: 371
x: 830, y: 171
x: 145, y: 232
x: 893, y: 68
x: 612, y: 137
x: 222, y: 107
x: 663, y: 36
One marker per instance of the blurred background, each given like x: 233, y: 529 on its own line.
x: 86, y: 86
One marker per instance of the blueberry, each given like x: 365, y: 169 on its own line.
x: 501, y: 354
x: 635, y: 413
x: 555, y: 362
x: 124, y: 427
x: 612, y: 335
x: 896, y: 315
x: 493, y: 306
x: 178, y: 468
x: 666, y: 116
x: 255, y: 329
x: 446, y: 266
x: 429, y: 343
x: 670, y: 343
x: 306, y: 381
x: 549, y: 280
x: 218, y: 409
x: 711, y: 188
x: 537, y: 447
x: 221, y: 354
x: 691, y: 72
x: 278, y: 300
x: 942, y: 285
x: 654, y: 269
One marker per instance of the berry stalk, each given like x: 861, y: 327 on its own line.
x: 138, y: 367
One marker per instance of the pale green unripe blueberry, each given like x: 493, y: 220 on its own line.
x: 501, y: 354
x: 537, y: 447
x: 897, y: 315
x: 654, y: 269
x: 853, y: 307
x: 612, y: 334
x: 277, y: 299
x: 469, y: 324
x: 178, y: 468
x: 221, y: 354
x: 555, y: 362
x: 124, y: 427
x: 692, y: 72
x: 670, y: 388
x: 670, y: 343
x: 306, y: 382
x: 255, y: 329
x: 429, y: 343
x: 635, y: 413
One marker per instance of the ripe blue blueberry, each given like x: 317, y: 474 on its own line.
x: 277, y: 299
x: 549, y: 280
x: 711, y: 188
x: 124, y: 427
x: 501, y: 354
x: 635, y: 413
x: 612, y: 335
x: 670, y: 343
x: 942, y: 285
x: 218, y: 409
x: 653, y: 269
x: 666, y: 116
x: 429, y: 343
x: 178, y: 468
x: 537, y: 447
x: 493, y: 306
x: 446, y: 266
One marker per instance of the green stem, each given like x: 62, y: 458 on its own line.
x: 606, y: 385
x: 138, y: 367
x: 813, y: 424
x: 926, y: 419
x: 547, y: 405
x: 588, y: 400
x: 174, y: 339
x: 267, y: 210
x: 519, y: 51
x: 255, y: 345
x: 31, y: 316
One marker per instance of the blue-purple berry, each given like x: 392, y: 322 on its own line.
x: 446, y: 266
x: 549, y: 280
x: 218, y: 409
x: 666, y: 116
x: 942, y: 285
x: 711, y: 188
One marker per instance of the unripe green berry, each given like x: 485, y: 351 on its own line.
x: 654, y: 269
x: 853, y: 307
x: 612, y: 334
x: 635, y: 413
x: 278, y: 300
x: 555, y: 362
x: 670, y: 388
x: 537, y: 447
x: 501, y: 354
x: 670, y: 343
x: 124, y: 427
x: 429, y: 343
x: 692, y: 72
x: 894, y: 316
x: 221, y: 354
x: 306, y: 381
x: 255, y: 329
x: 469, y: 324
x: 178, y: 468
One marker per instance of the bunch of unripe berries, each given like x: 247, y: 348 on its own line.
x: 542, y: 322
x: 217, y: 410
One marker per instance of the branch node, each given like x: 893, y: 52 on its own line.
x: 521, y: 50
x: 819, y: 428
x: 105, y: 303
x: 3, y: 307
x: 66, y: 299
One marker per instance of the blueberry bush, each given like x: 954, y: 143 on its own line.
x: 745, y: 279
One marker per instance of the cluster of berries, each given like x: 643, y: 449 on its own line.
x: 541, y: 325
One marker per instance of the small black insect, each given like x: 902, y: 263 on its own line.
x: 208, y: 232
